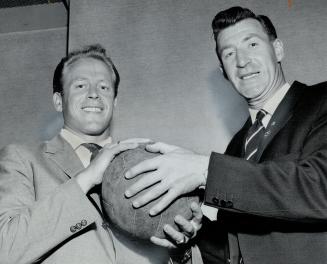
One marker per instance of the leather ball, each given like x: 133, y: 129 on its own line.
x: 119, y: 210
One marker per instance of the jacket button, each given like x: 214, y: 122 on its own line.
x: 215, y: 200
x: 223, y: 203
x: 105, y: 225
x: 73, y: 229
x: 229, y: 204
x: 78, y: 226
x: 84, y: 222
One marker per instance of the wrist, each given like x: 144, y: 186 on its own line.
x: 84, y: 182
x: 204, y: 170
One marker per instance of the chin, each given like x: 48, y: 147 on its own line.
x: 95, y: 130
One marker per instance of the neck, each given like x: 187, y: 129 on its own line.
x: 258, y: 103
x: 90, y: 137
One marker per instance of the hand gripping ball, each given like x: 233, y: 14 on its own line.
x: 119, y: 210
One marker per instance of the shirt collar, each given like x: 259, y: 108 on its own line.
x: 272, y: 103
x: 75, y: 141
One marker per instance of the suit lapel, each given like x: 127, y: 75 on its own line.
x: 64, y: 156
x: 282, y: 115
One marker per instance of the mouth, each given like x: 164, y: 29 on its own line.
x: 92, y: 109
x: 249, y: 75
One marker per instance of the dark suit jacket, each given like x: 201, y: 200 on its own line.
x: 44, y: 215
x: 275, y: 210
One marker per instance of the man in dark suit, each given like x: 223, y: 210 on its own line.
x: 270, y: 185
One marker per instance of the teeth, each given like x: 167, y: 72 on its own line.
x: 92, y: 109
x: 249, y: 76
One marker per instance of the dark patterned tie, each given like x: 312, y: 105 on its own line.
x: 93, y: 148
x: 254, y: 136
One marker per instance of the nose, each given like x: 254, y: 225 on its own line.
x: 93, y: 92
x: 242, y: 59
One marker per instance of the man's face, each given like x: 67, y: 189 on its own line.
x: 88, y: 97
x: 250, y: 61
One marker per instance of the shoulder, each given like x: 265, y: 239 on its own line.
x: 313, y: 90
x: 17, y: 151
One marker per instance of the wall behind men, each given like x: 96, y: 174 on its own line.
x: 171, y: 88
x: 32, y: 40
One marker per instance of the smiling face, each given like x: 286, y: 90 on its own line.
x: 88, y: 98
x: 251, y: 61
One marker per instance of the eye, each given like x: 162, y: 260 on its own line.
x: 80, y: 86
x: 228, y: 54
x: 253, y: 44
x: 104, y: 87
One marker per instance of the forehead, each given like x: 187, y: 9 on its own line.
x: 84, y: 67
x: 241, y: 31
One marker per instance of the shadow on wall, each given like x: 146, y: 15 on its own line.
x: 52, y: 124
x: 229, y: 107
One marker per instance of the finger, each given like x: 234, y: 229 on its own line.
x: 144, y: 182
x: 161, y: 147
x: 164, y: 202
x: 174, y: 235
x: 162, y: 242
x: 144, y: 166
x: 196, y: 212
x: 137, y: 140
x: 115, y: 149
x: 107, y: 153
x: 151, y: 194
x: 186, y: 226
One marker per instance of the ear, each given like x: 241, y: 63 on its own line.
x: 57, y: 101
x: 279, y: 49
x: 221, y: 68
x: 115, y: 102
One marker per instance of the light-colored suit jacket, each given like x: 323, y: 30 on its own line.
x: 44, y: 215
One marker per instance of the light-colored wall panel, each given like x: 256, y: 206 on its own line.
x: 28, y: 60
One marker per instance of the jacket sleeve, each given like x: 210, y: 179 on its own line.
x: 30, y: 228
x: 290, y: 187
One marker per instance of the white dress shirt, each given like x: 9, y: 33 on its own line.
x: 76, y: 142
x: 271, y: 105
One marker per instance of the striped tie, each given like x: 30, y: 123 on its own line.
x: 254, y: 137
x: 93, y: 148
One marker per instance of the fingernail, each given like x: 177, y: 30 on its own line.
x: 136, y: 204
x: 127, y: 175
x: 127, y: 194
x: 153, y: 212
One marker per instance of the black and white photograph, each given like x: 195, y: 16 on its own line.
x: 163, y: 132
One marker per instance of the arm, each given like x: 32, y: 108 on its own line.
x: 29, y: 228
x: 291, y: 186
x: 32, y: 226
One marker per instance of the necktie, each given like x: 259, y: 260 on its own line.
x: 254, y: 137
x: 93, y: 148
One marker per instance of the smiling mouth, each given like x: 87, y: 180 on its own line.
x: 92, y: 109
x: 249, y: 76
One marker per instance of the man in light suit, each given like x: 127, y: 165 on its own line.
x: 49, y: 208
x: 270, y: 185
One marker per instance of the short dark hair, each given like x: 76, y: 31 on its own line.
x: 236, y: 14
x: 95, y: 51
